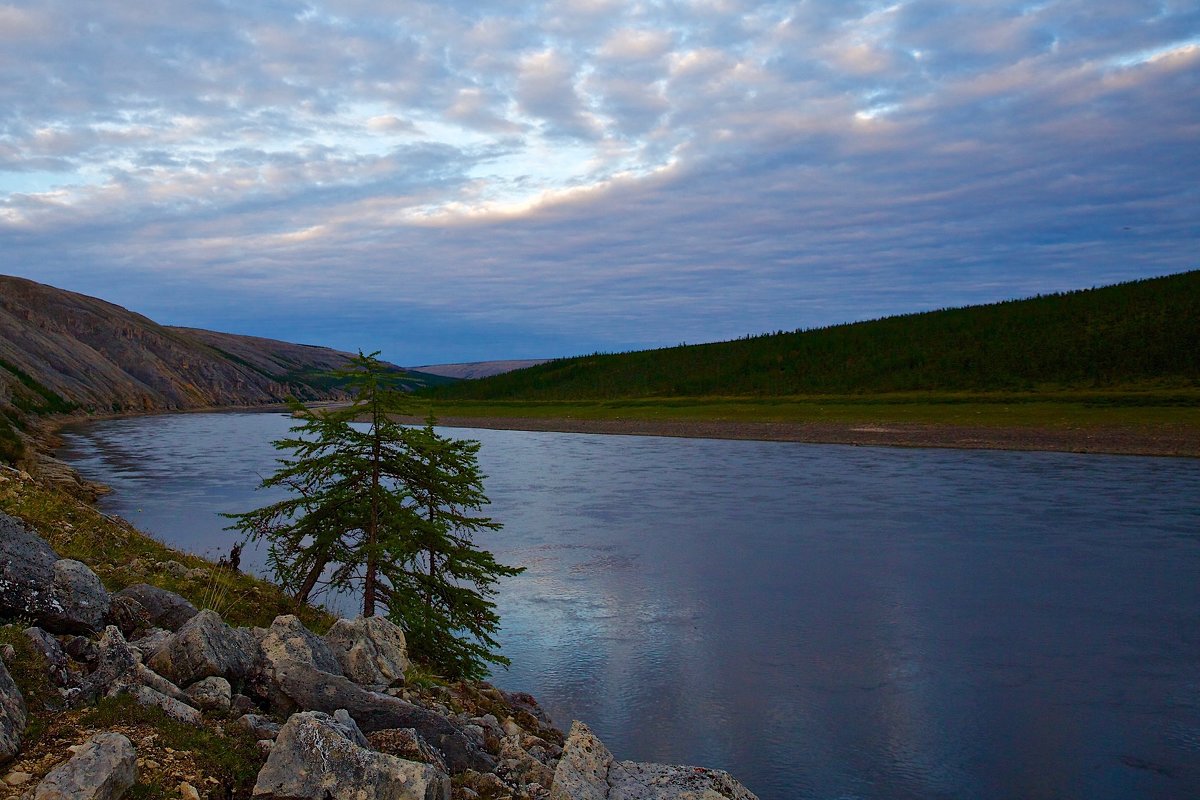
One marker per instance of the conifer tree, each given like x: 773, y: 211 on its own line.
x: 386, y: 510
x: 452, y: 614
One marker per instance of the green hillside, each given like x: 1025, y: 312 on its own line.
x: 1139, y: 335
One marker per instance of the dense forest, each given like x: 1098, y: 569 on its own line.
x: 1144, y: 334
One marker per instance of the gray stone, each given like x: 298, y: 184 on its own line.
x: 312, y: 690
x: 148, y: 677
x: 51, y: 650
x: 175, y: 709
x: 211, y: 694
x: 129, y: 615
x: 174, y: 569
x: 241, y: 704
x: 628, y: 780
x: 315, y: 757
x: 203, y: 647
x: 61, y: 596
x: 116, y: 666
x: 289, y: 641
x: 406, y: 743
x: 102, y: 769
x: 588, y: 771
x: 151, y: 642
x: 582, y: 772
x: 12, y: 716
x: 82, y: 649
x: 79, y: 591
x: 371, y: 651
x: 165, y: 609
x: 261, y: 726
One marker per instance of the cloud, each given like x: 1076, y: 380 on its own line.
x: 594, y: 173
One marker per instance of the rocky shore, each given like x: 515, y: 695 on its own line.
x: 116, y: 676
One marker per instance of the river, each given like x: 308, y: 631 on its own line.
x: 823, y: 621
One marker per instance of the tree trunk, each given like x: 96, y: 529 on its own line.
x: 373, y: 521
x: 310, y: 580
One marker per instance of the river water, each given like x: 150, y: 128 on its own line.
x: 823, y: 621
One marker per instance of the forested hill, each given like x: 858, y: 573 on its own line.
x: 1140, y: 334
x: 63, y: 352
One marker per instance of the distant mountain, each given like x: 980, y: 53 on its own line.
x: 1143, y: 334
x: 63, y: 352
x: 472, y: 370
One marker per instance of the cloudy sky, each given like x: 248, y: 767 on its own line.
x: 462, y: 181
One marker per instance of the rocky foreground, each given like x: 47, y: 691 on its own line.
x: 331, y: 715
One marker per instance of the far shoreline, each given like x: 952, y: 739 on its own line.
x: 1158, y: 441
x: 1168, y: 441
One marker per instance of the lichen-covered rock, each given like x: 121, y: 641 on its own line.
x: 146, y: 696
x: 51, y: 650
x: 582, y: 772
x: 315, y: 756
x: 164, y: 609
x: 148, y: 677
x: 307, y: 688
x: 588, y: 771
x: 80, y: 593
x: 102, y: 769
x: 12, y: 716
x: 151, y: 642
x: 630, y: 780
x: 262, y: 727
x: 288, y: 640
x: 371, y: 651
x: 406, y: 743
x: 205, y: 646
x: 60, y: 595
x: 211, y: 694
x: 116, y: 665
x: 129, y: 615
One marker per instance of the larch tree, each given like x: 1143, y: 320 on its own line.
x: 389, y: 511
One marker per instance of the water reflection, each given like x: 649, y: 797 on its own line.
x: 823, y: 621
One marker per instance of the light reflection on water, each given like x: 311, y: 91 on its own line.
x: 823, y: 621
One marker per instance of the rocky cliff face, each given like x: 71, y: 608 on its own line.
x: 61, y: 351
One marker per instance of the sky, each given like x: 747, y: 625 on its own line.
x: 460, y: 181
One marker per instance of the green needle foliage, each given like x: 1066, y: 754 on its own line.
x: 453, y: 581
x: 389, y: 511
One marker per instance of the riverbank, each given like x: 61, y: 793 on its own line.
x: 1144, y: 440
x: 130, y: 665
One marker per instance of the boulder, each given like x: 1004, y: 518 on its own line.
x: 406, y: 743
x: 211, y: 694
x: 262, y: 727
x: 205, y: 646
x: 51, y: 650
x: 173, y: 708
x: 82, y: 650
x: 310, y: 689
x: 582, y: 772
x: 288, y: 640
x: 101, y: 769
x: 241, y: 704
x: 59, y: 595
x: 588, y: 771
x: 629, y: 780
x: 129, y: 615
x: 164, y: 609
x: 116, y: 666
x: 371, y: 651
x: 315, y: 756
x: 12, y: 716
x: 148, y: 677
x: 80, y: 593
x: 151, y: 642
